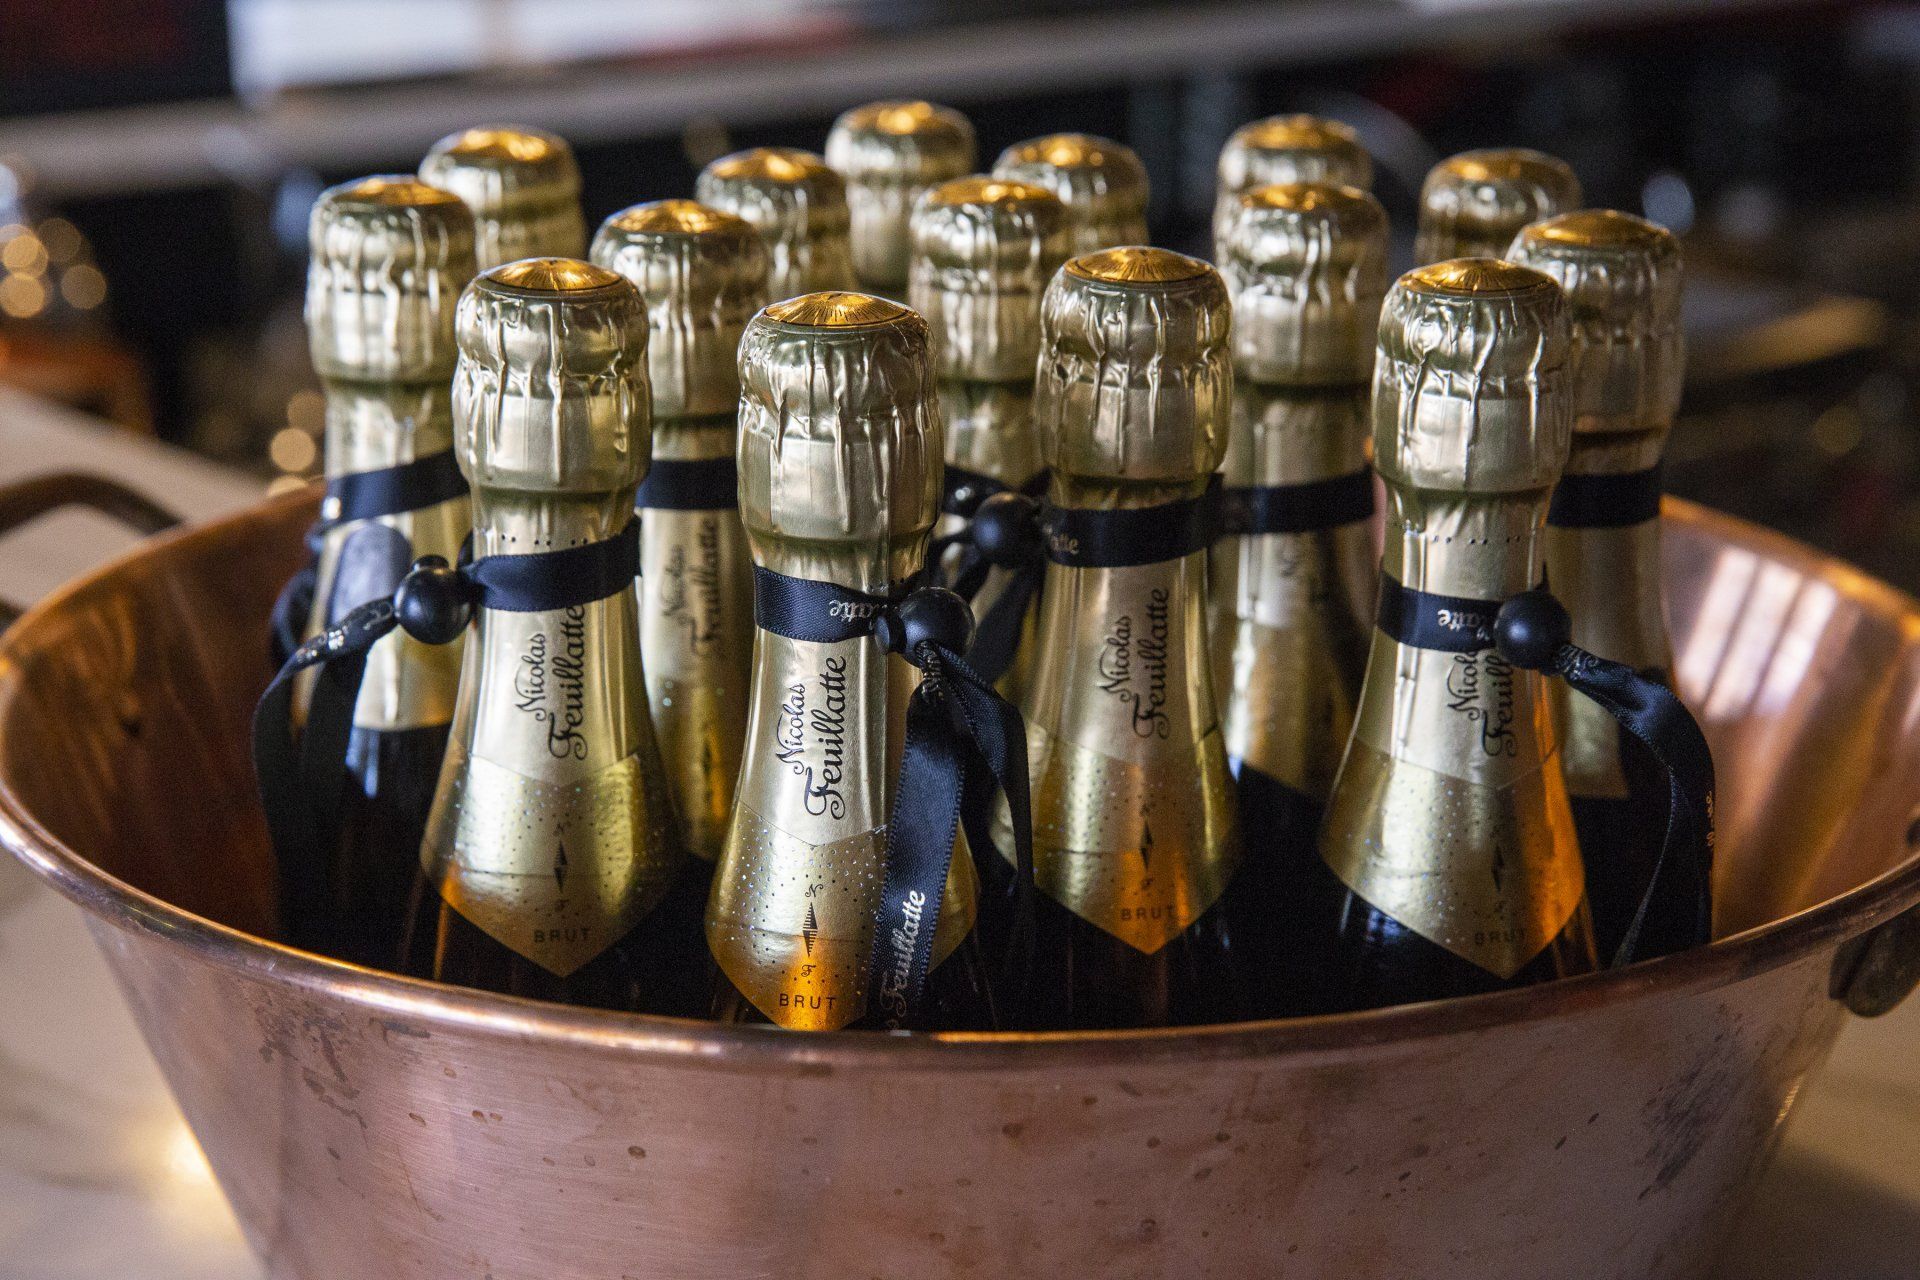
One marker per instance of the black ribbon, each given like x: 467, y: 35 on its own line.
x: 1297, y: 508
x: 962, y: 491
x: 964, y: 744
x: 426, y: 481
x: 1533, y: 630
x: 301, y: 777
x: 683, y: 484
x: 1606, y: 502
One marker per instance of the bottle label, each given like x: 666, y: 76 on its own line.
x: 696, y: 630
x: 795, y: 894
x: 1453, y: 781
x: 1134, y: 827
x: 552, y: 826
x: 557, y: 872
x: 407, y: 684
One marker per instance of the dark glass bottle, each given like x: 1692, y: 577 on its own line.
x: 1455, y: 868
x: 550, y: 843
x: 1622, y: 278
x: 839, y: 482
x: 1135, y: 836
x: 1306, y: 265
x: 389, y: 257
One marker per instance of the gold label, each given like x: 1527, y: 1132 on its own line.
x: 552, y: 825
x: 1609, y: 579
x: 407, y: 684
x: 792, y: 915
x: 1134, y: 827
x: 558, y: 872
x: 696, y: 630
x: 1451, y: 815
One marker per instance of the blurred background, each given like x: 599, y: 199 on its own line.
x: 158, y: 159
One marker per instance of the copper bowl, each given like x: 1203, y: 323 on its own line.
x: 368, y: 1126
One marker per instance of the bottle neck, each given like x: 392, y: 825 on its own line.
x: 694, y: 439
x: 873, y: 567
x: 558, y: 694
x: 1284, y: 435
x: 372, y: 425
x: 990, y: 429
x: 1480, y: 546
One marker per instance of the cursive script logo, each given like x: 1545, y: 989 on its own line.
x: 1133, y: 666
x: 690, y: 587
x: 811, y: 741
x: 1480, y: 688
x: 902, y: 939
x: 853, y: 610
x: 550, y: 684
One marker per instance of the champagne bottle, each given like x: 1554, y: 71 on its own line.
x: 984, y: 250
x: 523, y: 188
x: 1455, y: 864
x: 702, y: 274
x: 1102, y: 183
x: 1622, y: 278
x: 1473, y: 204
x: 1306, y: 267
x: 799, y: 207
x: 890, y: 152
x: 1281, y: 149
x: 1135, y: 837
x: 839, y: 484
x: 388, y: 259
x: 550, y: 841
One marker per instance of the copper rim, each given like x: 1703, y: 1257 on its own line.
x: 704, y: 1044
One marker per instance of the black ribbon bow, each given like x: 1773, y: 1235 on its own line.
x: 301, y: 777
x: 964, y: 743
x: 1533, y: 630
x: 426, y: 481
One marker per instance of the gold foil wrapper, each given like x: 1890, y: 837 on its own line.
x: 1622, y: 279
x: 522, y: 185
x: 890, y: 152
x: 1286, y: 149
x: 387, y: 260
x: 1470, y: 382
x: 703, y: 275
x: 389, y: 257
x: 1136, y: 375
x: 840, y: 445
x: 1473, y: 204
x: 1102, y: 183
x: 797, y: 204
x: 1294, y: 630
x: 840, y: 433
x: 984, y: 251
x: 1306, y: 267
x: 551, y: 826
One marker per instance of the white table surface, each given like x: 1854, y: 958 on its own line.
x: 100, y: 1179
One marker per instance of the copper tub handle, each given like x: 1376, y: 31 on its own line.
x: 36, y: 496
x: 1874, y: 972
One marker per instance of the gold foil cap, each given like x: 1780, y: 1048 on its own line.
x: 1136, y: 373
x: 1622, y: 277
x: 1306, y: 267
x: 1279, y: 149
x: 840, y: 435
x: 1102, y: 183
x: 889, y: 152
x: 1470, y: 387
x: 1473, y: 204
x: 550, y: 395
x: 522, y: 186
x: 388, y: 257
x: 984, y: 251
x: 702, y: 274
x: 799, y: 207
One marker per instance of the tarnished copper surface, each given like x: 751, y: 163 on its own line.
x: 1607, y: 1127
